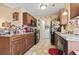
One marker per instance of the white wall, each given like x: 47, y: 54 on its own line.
x: 7, y: 12
x: 20, y: 21
x: 4, y: 13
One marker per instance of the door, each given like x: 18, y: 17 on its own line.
x: 46, y: 31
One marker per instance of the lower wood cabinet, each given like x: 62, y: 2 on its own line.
x: 16, y: 45
x: 5, y: 45
x: 29, y: 41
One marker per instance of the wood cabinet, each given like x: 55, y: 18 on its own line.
x: 29, y: 20
x: 29, y: 41
x: 16, y: 44
x: 74, y: 10
x: 5, y: 46
x: 34, y: 22
x: 26, y: 19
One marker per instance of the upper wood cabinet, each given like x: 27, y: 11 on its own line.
x: 33, y: 22
x: 26, y: 19
x: 29, y: 20
x: 74, y: 10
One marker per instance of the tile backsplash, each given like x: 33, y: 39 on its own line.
x: 73, y: 26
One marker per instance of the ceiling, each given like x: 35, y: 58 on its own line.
x: 34, y: 8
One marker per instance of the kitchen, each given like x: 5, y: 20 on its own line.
x: 20, y: 30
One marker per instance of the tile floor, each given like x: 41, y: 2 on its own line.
x: 41, y: 48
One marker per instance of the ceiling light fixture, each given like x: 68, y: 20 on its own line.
x: 43, y: 7
x: 65, y: 12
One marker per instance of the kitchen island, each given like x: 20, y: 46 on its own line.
x: 67, y: 42
x: 16, y: 44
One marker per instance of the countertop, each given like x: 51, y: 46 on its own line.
x: 10, y: 35
x: 76, y: 52
x: 69, y: 37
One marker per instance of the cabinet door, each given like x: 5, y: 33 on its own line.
x: 19, y: 46
x: 16, y: 47
x: 29, y: 43
x: 33, y: 22
x: 74, y: 10
x: 5, y: 48
x: 23, y: 45
x: 32, y: 39
x: 26, y: 19
x: 29, y: 40
x: 29, y: 19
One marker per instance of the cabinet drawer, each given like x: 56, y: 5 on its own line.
x: 17, y: 38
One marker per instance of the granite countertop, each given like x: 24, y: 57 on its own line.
x: 69, y: 37
x: 76, y: 52
x: 9, y: 35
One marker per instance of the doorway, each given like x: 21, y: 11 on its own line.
x: 46, y: 31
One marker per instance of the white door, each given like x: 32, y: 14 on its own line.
x: 47, y: 31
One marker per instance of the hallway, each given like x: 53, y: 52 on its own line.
x: 41, y: 48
